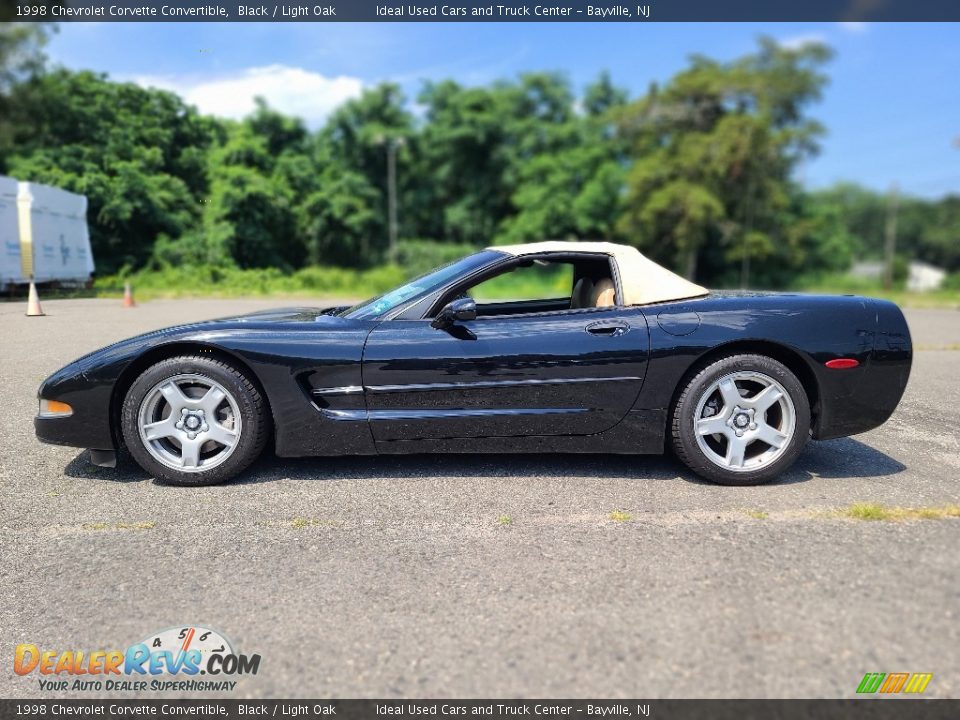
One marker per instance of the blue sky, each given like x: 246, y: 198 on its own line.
x: 892, y: 108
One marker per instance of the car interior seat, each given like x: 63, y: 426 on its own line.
x: 582, y: 295
x: 603, y: 294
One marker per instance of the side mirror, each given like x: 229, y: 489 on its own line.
x: 460, y: 309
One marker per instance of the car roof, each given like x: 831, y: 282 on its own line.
x: 642, y: 281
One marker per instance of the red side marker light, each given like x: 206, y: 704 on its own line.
x: 842, y: 363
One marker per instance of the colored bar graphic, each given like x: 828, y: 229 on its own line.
x: 871, y: 682
x: 918, y: 682
x: 894, y: 682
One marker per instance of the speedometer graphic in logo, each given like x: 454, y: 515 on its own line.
x: 184, y: 639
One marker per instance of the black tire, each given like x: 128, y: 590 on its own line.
x: 253, y: 425
x: 683, y: 421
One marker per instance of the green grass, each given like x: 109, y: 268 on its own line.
x: 868, y: 511
x: 310, y: 282
x: 148, y: 525
x: 505, y: 520
x: 304, y: 522
x: 620, y: 516
x: 876, y: 511
x: 297, y: 523
x: 529, y: 283
x: 209, y: 281
x: 757, y: 514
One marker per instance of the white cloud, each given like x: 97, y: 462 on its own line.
x: 854, y: 27
x: 795, y: 42
x: 291, y: 90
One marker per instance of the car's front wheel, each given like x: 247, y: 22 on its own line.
x: 742, y: 420
x: 194, y: 420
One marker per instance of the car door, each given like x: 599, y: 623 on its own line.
x: 572, y: 372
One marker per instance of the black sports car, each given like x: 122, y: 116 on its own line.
x: 626, y: 359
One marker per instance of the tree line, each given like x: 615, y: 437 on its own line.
x: 697, y: 172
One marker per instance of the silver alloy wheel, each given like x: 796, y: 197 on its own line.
x: 744, y: 421
x: 189, y: 423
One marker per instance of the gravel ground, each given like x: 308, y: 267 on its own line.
x: 434, y: 576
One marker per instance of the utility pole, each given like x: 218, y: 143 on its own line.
x: 392, y: 145
x: 890, y: 236
x: 747, y: 218
x: 747, y: 229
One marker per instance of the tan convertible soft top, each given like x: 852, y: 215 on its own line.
x: 642, y: 280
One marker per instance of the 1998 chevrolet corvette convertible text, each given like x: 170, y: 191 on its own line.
x: 629, y: 358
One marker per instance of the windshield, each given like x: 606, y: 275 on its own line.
x: 419, y: 286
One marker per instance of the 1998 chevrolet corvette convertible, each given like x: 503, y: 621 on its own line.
x: 629, y: 359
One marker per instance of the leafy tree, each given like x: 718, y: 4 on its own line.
x: 463, y: 157
x: 926, y: 230
x: 941, y: 238
x: 138, y: 155
x: 697, y: 173
x: 282, y: 134
x: 249, y: 217
x: 716, y: 147
x: 356, y: 137
x: 21, y: 58
x: 340, y: 220
x: 602, y: 96
x: 572, y: 187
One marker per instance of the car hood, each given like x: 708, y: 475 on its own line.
x: 256, y: 320
x: 284, y: 315
x: 198, y: 331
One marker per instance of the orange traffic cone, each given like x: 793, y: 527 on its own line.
x: 128, y: 296
x: 33, y: 303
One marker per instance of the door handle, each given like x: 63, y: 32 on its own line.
x: 608, y: 328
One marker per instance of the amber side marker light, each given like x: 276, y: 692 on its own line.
x: 55, y: 408
x: 842, y: 363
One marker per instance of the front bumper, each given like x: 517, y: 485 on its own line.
x: 74, y: 432
x: 89, y: 424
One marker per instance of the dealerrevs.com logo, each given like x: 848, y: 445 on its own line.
x: 170, y: 660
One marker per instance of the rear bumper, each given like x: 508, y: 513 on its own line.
x: 848, y: 408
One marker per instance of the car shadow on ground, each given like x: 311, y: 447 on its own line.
x: 831, y: 459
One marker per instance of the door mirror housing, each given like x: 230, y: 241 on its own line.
x: 460, y: 309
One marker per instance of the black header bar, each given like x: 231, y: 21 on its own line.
x: 634, y: 11
x: 866, y: 709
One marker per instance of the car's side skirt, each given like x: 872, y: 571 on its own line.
x: 641, y: 432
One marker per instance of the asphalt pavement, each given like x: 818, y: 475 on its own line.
x: 488, y: 576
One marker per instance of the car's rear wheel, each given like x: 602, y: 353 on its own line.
x: 741, y: 420
x: 194, y: 420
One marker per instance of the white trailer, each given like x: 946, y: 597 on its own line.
x: 10, y: 269
x: 45, y: 235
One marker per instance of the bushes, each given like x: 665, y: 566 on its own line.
x: 212, y: 280
x: 175, y: 274
x: 420, y: 256
x: 952, y: 282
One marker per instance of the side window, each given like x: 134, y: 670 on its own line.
x: 537, y: 281
x: 538, y: 285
